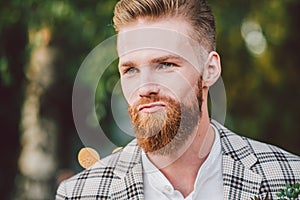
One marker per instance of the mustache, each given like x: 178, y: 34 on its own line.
x: 152, y: 99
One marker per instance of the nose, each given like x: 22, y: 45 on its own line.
x: 148, y: 90
x: 148, y: 82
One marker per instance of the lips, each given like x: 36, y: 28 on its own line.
x: 151, y: 107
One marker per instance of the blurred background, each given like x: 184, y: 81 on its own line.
x: 43, y: 43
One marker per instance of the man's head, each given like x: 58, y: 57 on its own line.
x: 166, y: 65
x: 195, y: 12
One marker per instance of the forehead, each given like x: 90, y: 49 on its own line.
x: 167, y: 35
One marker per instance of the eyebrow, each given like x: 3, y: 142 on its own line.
x: 154, y: 60
x: 165, y: 58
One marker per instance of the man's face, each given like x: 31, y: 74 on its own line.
x: 161, y: 85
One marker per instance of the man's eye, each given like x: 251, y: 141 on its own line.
x: 130, y: 70
x: 166, y: 65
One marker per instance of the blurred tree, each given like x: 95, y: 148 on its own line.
x: 13, y: 41
x: 258, y: 42
x: 37, y: 162
x: 61, y: 33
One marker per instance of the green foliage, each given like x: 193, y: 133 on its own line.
x: 290, y: 192
x: 5, y: 76
x: 262, y: 92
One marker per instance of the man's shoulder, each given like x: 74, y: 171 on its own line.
x: 274, y: 164
x: 253, y: 158
x: 102, y: 166
x: 88, y: 178
x: 263, y: 149
x: 98, y: 178
x: 275, y: 159
x: 237, y: 145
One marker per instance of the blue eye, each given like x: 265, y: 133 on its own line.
x: 130, y: 70
x: 165, y: 65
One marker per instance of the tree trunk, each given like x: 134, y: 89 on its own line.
x: 37, y: 161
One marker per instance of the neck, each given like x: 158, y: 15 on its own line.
x: 194, y: 152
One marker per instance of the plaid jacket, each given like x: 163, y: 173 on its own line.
x: 250, y: 168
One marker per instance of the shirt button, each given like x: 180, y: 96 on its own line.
x: 168, y: 188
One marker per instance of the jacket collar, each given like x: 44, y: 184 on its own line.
x: 126, y: 159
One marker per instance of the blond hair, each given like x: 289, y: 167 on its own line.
x: 196, y: 12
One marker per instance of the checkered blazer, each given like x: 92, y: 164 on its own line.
x: 250, y: 168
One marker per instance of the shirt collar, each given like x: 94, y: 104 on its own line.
x: 158, y: 181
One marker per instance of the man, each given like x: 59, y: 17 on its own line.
x: 167, y: 64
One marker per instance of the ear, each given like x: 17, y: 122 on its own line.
x: 212, y: 69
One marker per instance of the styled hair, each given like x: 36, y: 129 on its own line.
x: 196, y: 12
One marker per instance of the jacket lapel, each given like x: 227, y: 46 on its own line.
x: 240, y: 182
x: 129, y: 172
x: 130, y: 186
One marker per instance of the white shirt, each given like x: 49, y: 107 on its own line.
x: 208, y: 184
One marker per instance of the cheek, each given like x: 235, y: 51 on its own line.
x: 128, y: 88
x: 182, y: 86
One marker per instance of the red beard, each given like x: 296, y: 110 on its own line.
x: 164, y: 132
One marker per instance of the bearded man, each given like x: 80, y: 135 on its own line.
x: 167, y: 63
